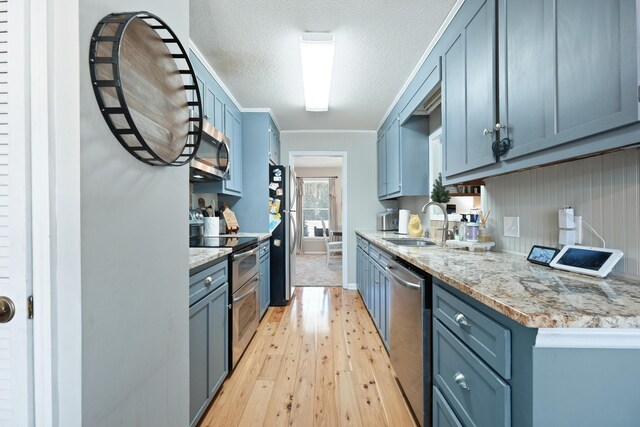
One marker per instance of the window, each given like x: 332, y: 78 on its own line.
x: 315, y: 206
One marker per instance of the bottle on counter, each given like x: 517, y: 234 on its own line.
x: 463, y: 227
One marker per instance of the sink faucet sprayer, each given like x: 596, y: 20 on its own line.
x: 446, y: 219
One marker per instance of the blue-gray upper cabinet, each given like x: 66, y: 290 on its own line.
x: 382, y: 165
x: 568, y: 70
x: 233, y: 185
x: 469, y: 89
x: 220, y: 111
x: 403, y: 158
x: 394, y: 185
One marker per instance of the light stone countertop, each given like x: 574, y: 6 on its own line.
x: 201, y: 256
x: 533, y: 295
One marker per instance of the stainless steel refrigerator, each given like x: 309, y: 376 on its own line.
x: 284, y: 234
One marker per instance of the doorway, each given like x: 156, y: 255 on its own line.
x: 322, y: 200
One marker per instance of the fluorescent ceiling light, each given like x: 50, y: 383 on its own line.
x: 316, y: 53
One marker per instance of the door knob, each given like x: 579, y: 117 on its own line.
x: 487, y: 132
x: 7, y: 309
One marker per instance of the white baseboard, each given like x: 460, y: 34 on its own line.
x: 352, y: 286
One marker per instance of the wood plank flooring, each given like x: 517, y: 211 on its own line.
x: 317, y: 362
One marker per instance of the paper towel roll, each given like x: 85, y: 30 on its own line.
x: 211, y: 226
x: 403, y: 221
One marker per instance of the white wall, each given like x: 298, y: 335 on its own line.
x: 134, y: 255
x: 361, y: 181
x: 604, y: 190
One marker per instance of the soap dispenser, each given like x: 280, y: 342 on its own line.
x: 463, y: 227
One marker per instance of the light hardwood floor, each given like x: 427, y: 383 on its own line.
x: 317, y: 362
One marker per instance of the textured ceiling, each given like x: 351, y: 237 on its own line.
x: 254, y: 48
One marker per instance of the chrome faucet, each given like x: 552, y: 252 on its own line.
x: 446, y: 218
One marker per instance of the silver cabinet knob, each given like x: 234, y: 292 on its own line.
x: 7, y: 309
x: 487, y: 132
x: 461, y: 319
x: 208, y: 281
x: 459, y: 379
x: 501, y: 126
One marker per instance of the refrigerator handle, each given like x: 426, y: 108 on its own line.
x: 295, y: 233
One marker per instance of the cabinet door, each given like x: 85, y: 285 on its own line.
x: 265, y: 290
x: 382, y: 166
x: 468, y: 92
x: 218, y: 115
x: 208, y: 338
x: 568, y: 70
x: 210, y: 106
x: 233, y: 130
x: 393, y: 157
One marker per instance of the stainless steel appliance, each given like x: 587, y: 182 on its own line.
x: 284, y: 235
x: 409, y: 351
x: 244, y: 264
x: 196, y: 225
x: 213, y: 159
x: 245, y: 302
x: 387, y: 220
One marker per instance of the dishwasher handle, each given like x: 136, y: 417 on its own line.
x: 400, y: 280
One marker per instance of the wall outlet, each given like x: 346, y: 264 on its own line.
x: 511, y: 226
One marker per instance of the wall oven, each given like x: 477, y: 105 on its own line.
x: 245, y: 302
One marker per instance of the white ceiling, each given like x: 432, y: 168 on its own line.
x: 253, y: 46
x: 317, y: 162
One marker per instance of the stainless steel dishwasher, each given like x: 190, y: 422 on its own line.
x: 409, y: 336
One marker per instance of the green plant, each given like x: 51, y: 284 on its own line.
x: 439, y: 193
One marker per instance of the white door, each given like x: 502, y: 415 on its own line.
x: 16, y: 396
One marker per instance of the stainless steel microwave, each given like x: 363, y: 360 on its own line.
x: 213, y: 159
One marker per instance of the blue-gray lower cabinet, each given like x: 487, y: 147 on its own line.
x: 443, y: 415
x: 208, y: 348
x: 265, y: 279
x: 373, y: 284
x: 478, y: 395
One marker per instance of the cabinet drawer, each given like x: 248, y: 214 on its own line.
x: 476, y: 393
x: 197, y: 286
x: 264, y: 248
x: 489, y: 339
x: 443, y: 415
x: 379, y: 256
x: 363, y: 244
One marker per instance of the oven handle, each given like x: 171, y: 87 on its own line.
x: 249, y: 292
x: 246, y: 254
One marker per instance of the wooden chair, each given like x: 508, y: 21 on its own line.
x: 333, y: 248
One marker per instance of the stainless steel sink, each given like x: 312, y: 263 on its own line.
x: 409, y: 242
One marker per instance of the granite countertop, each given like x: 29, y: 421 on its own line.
x: 533, y: 295
x: 201, y: 256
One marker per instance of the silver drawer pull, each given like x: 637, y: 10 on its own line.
x: 208, y: 281
x: 461, y: 380
x: 461, y: 319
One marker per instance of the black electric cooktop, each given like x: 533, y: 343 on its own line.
x: 234, y: 243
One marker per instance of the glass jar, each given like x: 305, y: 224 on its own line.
x: 472, y: 232
x: 483, y: 233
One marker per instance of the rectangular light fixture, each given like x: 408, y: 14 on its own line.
x: 316, y: 53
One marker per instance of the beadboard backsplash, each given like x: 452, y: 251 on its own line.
x: 604, y: 190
